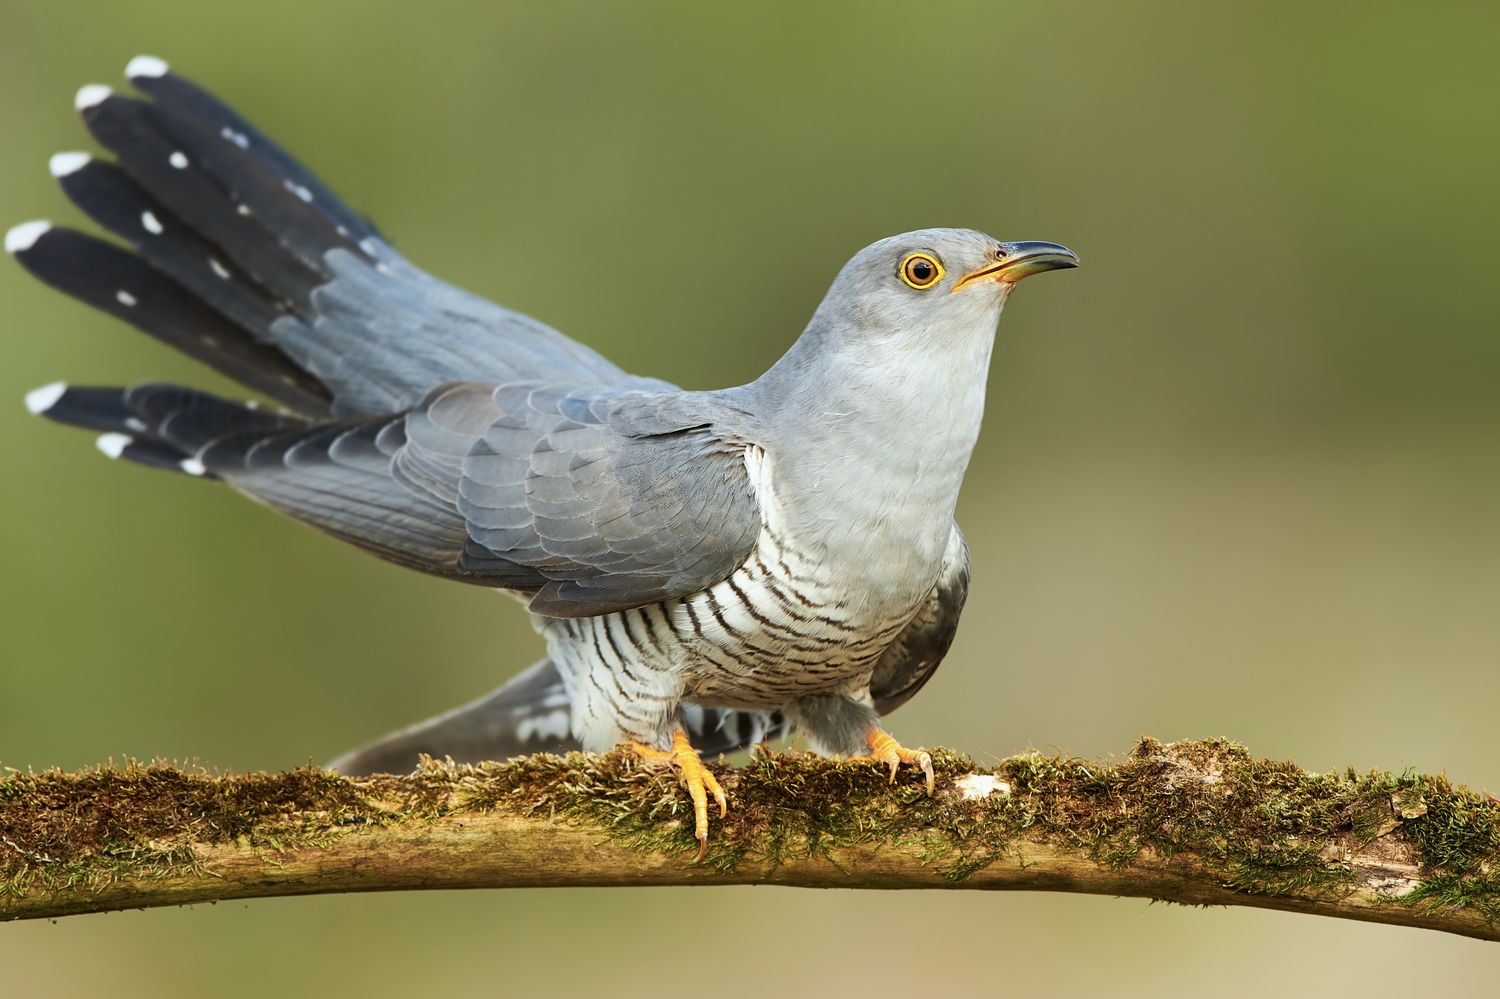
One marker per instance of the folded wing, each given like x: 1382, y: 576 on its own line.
x: 586, y: 500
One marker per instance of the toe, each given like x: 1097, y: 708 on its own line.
x: 924, y: 760
x: 717, y: 790
x: 890, y: 752
x: 698, y: 779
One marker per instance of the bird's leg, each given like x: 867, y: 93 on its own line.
x: 699, y: 780
x: 887, y: 750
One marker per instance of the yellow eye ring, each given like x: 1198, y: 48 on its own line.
x: 920, y: 270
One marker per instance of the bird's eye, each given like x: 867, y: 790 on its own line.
x: 921, y: 270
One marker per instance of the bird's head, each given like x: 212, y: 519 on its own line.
x: 910, y: 320
x: 933, y: 283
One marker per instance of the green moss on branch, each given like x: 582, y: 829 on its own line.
x: 1192, y: 821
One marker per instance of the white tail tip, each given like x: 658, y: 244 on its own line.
x: 91, y: 94
x: 113, y: 445
x: 62, y: 164
x: 39, y: 400
x: 145, y: 65
x: 192, y: 466
x: 22, y: 236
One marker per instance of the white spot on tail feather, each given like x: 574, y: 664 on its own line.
x: 125, y: 298
x: 62, y: 164
x: 178, y: 159
x: 135, y: 424
x: 151, y: 223
x: 90, y: 94
x: 238, y: 138
x: 192, y: 466
x: 113, y: 445
x: 299, y: 191
x: 21, y: 237
x: 145, y: 65
x: 218, y: 268
x: 39, y: 400
x: 552, y: 725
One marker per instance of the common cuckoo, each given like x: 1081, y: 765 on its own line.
x: 707, y: 569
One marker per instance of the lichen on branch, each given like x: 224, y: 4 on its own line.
x: 1200, y: 822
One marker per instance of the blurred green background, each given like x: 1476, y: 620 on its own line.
x: 1238, y: 475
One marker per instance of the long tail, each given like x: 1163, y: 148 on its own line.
x: 236, y: 255
x: 530, y: 714
x: 227, y: 236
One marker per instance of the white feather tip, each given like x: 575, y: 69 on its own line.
x: 21, y: 237
x: 39, y: 400
x: 145, y: 65
x: 113, y: 445
x: 91, y: 94
x: 62, y: 164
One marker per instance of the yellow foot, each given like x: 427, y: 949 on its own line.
x: 887, y: 750
x: 699, y: 780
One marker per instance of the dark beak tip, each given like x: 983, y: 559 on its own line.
x: 1054, y: 254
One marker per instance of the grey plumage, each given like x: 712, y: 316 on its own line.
x: 737, y: 561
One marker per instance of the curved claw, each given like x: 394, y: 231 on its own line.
x: 698, y: 779
x: 889, y: 751
x: 700, y: 783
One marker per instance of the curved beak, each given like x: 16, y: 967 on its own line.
x: 1021, y: 260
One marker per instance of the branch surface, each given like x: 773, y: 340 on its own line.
x: 1195, y: 822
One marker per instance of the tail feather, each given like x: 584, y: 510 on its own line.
x: 529, y: 714
x: 102, y: 409
x: 128, y: 288
x: 192, y: 419
x: 162, y: 426
x: 125, y: 127
x: 109, y: 196
x: 246, y: 261
x: 283, y: 206
x: 189, y: 111
x: 152, y: 454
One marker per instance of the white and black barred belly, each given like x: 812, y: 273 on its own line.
x: 786, y: 625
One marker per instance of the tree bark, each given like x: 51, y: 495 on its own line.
x: 1192, y: 822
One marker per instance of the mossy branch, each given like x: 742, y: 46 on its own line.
x: 1195, y: 822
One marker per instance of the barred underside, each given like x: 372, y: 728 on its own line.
x: 779, y: 629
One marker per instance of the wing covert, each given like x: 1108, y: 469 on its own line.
x: 588, y: 501
x: 609, y: 499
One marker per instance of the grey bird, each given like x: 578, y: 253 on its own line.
x: 707, y: 569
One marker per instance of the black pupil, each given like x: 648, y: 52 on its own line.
x: 921, y: 271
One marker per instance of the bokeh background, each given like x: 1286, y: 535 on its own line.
x: 1238, y: 474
